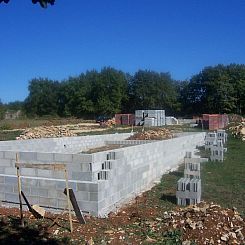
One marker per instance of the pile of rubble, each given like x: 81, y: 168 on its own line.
x: 238, y: 130
x: 153, y: 134
x: 46, y: 132
x: 207, y: 224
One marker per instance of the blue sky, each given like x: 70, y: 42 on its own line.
x: 176, y: 36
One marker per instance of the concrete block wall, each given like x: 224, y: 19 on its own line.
x: 60, y: 145
x: 136, y: 168
x: 101, y: 181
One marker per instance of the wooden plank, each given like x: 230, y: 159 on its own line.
x: 68, y: 201
x: 76, y: 208
x: 19, y: 191
x: 34, y: 212
x: 55, y: 166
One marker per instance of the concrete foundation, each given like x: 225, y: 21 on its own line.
x: 101, y: 181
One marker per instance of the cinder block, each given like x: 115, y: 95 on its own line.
x: 88, y: 206
x: 44, y: 173
x: 1, y: 179
x: 11, y: 197
x: 82, y: 195
x: 7, y: 188
x: 61, y: 203
x: 10, y: 180
x: 58, y: 157
x: 28, y: 171
x: 39, y: 192
x: 29, y: 182
x: 2, y: 196
x: 82, y: 158
x: 61, y: 185
x: 82, y: 176
x: 46, y: 157
x: 25, y: 189
x: 48, y: 202
x: 28, y: 156
x: 10, y: 170
x: 10, y: 155
x: 1, y: 154
x: 46, y: 183
x: 33, y: 200
x: 95, y: 196
x: 6, y: 162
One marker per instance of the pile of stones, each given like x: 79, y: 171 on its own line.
x: 46, y: 132
x: 153, y: 134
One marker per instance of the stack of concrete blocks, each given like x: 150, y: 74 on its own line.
x: 222, y: 135
x: 217, y: 151
x: 150, y: 118
x: 210, y: 140
x: 102, y: 181
x: 171, y: 121
x: 188, y: 191
x: 192, y: 176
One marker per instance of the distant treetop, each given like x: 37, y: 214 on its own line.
x: 43, y: 3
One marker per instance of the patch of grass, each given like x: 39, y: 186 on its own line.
x: 224, y: 182
x: 9, y: 135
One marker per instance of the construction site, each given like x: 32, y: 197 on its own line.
x: 113, y: 176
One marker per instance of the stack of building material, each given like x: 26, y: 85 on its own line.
x: 150, y: 117
x: 189, y: 188
x: 156, y: 134
x: 238, y: 130
x: 214, y: 121
x: 46, y: 132
x: 217, y: 151
x: 171, y: 121
x: 125, y: 119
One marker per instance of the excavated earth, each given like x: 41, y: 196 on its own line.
x: 144, y: 221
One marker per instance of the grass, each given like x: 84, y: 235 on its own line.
x: 9, y: 135
x: 224, y: 182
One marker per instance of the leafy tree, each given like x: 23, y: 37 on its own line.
x: 2, y: 110
x: 152, y: 90
x: 109, y: 90
x: 43, y: 3
x: 218, y: 89
x: 43, y: 97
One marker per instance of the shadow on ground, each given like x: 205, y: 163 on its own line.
x: 169, y: 197
x: 12, y: 233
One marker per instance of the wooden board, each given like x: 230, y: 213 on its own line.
x: 76, y: 208
x: 53, y: 166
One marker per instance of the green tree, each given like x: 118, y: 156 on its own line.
x: 43, y: 3
x: 152, y: 90
x: 218, y: 89
x: 109, y: 90
x: 43, y: 97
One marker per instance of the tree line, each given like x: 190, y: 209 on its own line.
x: 217, y: 89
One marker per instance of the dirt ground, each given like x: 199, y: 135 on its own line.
x: 151, y: 218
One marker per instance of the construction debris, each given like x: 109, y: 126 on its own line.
x: 154, y: 134
x: 46, y: 132
x: 238, y: 131
x: 208, y: 223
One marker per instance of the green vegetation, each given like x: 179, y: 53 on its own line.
x: 224, y: 182
x: 218, y: 89
x: 43, y: 3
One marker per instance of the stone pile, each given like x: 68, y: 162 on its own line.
x: 46, y: 132
x: 238, y: 130
x: 154, y: 134
x: 207, y: 224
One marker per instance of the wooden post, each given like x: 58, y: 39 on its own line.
x: 19, y: 190
x: 68, y: 200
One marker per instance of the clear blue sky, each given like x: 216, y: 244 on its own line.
x: 176, y: 36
